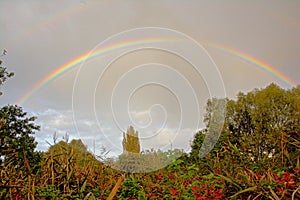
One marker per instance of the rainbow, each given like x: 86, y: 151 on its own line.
x: 76, y: 62
x: 257, y: 62
x: 79, y: 60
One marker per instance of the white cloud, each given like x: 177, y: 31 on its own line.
x: 168, y: 138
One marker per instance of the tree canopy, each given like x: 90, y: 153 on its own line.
x: 260, y: 125
x: 17, y: 143
x: 131, y: 141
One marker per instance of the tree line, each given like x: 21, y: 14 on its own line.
x: 256, y: 156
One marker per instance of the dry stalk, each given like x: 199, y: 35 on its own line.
x: 116, y: 187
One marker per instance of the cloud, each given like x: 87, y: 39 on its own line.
x: 106, y: 136
x: 40, y: 37
x: 169, y: 138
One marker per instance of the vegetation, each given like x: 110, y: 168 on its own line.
x: 131, y: 143
x: 255, y: 157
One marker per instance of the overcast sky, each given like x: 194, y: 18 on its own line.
x: 156, y: 91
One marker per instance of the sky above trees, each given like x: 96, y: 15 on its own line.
x: 41, y: 37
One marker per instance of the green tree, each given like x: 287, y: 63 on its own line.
x: 16, y: 129
x: 17, y: 143
x: 4, y: 74
x: 18, y: 159
x: 260, y: 126
x: 131, y: 141
x: 262, y: 120
x: 196, y: 145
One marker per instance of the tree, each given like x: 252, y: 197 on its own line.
x: 4, y: 74
x: 131, y: 141
x: 16, y: 141
x: 262, y: 119
x: 18, y: 159
x: 130, y: 161
x: 134, y: 161
x: 260, y: 126
x: 17, y: 144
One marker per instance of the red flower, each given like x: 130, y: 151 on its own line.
x: 280, y: 190
x: 18, y: 197
x: 196, y: 194
x: 286, y: 176
x: 159, y: 177
x: 257, y: 176
x: 174, y: 192
x: 194, y: 188
x: 291, y: 184
x: 172, y: 176
x: 149, y: 186
x: 42, y: 198
x: 185, y: 183
x: 218, y: 194
x: 102, y: 197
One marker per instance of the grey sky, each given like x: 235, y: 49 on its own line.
x: 41, y: 36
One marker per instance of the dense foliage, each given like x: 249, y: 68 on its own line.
x: 258, y: 151
x: 256, y: 157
